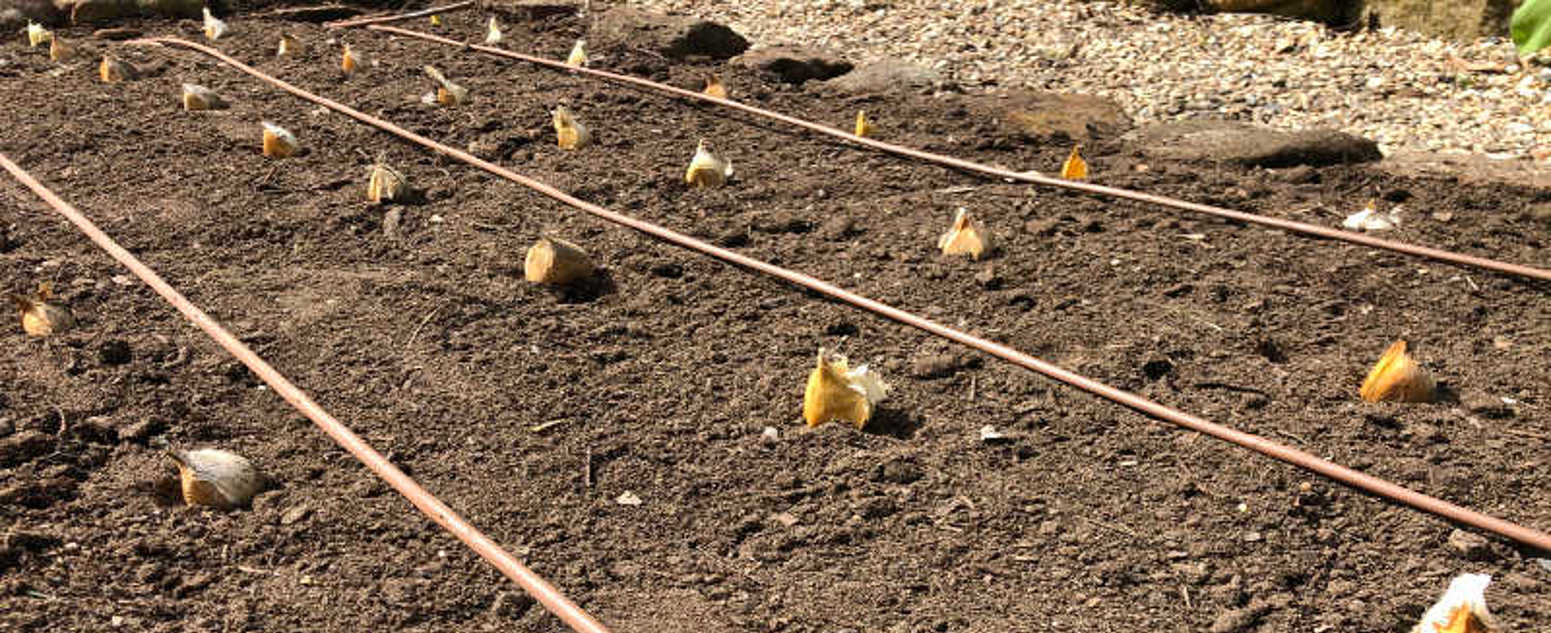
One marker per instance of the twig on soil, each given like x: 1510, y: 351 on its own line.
x: 1530, y: 434
x: 540, y: 428
x: 587, y: 469
x: 379, y: 19
x: 1118, y: 528
x: 1290, y: 435
x: 416, y: 334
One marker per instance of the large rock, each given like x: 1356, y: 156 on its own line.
x: 1460, y: 19
x: 886, y: 76
x: 674, y: 36
x: 1338, y: 12
x: 1052, y: 116
x: 1468, y: 169
x: 1228, y: 141
x: 793, y: 64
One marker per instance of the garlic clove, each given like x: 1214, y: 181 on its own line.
x: 1370, y: 219
x: 38, y: 316
x: 1075, y: 168
x: 58, y: 50
x: 493, y: 32
x: 214, y: 27
x: 1462, y: 609
x: 447, y: 93
x: 279, y: 142
x: 556, y: 262
x: 863, y: 126
x: 570, y: 133
x: 837, y: 392
x: 216, y: 478
x: 965, y: 237
x: 706, y: 170
x: 289, y: 45
x: 196, y: 97
x: 578, y: 56
x: 385, y: 184
x: 351, y: 61
x: 114, y: 70
x: 715, y: 88
x: 1398, y: 378
x: 36, y: 34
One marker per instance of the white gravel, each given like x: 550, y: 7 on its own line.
x: 1402, y: 89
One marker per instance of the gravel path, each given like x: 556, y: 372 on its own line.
x: 1405, y: 90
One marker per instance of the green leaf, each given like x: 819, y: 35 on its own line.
x: 1531, y: 26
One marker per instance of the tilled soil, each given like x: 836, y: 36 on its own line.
x: 531, y: 412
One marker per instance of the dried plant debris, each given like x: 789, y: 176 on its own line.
x: 1370, y: 219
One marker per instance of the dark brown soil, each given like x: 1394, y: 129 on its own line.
x: 430, y: 345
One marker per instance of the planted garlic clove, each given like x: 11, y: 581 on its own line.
x: 279, y: 142
x: 863, y: 126
x: 351, y: 61
x: 384, y: 184
x: 58, y: 50
x: 715, y: 88
x: 1075, y: 168
x: 196, y: 97
x: 1370, y: 219
x: 436, y: 19
x: 965, y: 237
x: 36, y: 34
x: 113, y: 70
x: 706, y: 170
x: 1462, y: 609
x: 1398, y: 378
x: 556, y: 262
x: 38, y: 316
x: 578, y: 56
x: 447, y: 93
x: 837, y: 392
x: 289, y: 45
x: 216, y: 478
x: 493, y: 32
x: 214, y: 27
x: 570, y: 133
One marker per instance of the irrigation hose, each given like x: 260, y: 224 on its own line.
x: 949, y: 161
x: 1307, y: 461
x: 398, y: 17
x: 545, y: 593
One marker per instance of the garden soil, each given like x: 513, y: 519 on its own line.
x: 679, y: 379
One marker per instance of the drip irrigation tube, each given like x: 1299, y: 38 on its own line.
x: 949, y: 161
x: 398, y: 17
x: 545, y: 593
x: 1301, y: 459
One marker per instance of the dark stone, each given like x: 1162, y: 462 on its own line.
x: 674, y: 36
x: 795, y: 65
x: 1050, y: 116
x: 1252, y: 145
x: 1157, y: 368
x: 24, y: 446
x: 115, y: 352
x: 668, y: 270
x: 886, y: 76
x: 900, y: 471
